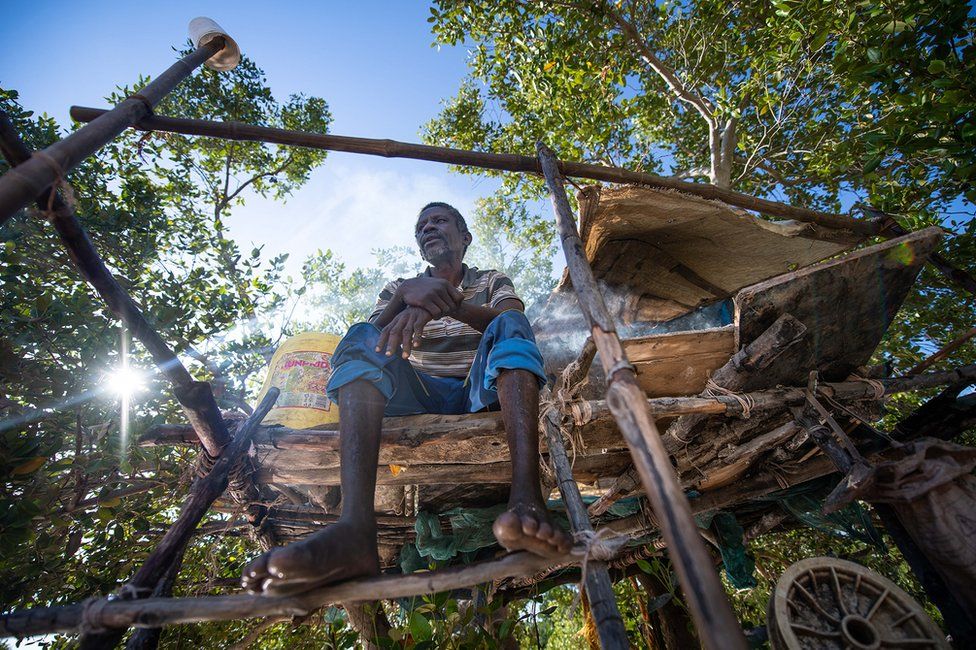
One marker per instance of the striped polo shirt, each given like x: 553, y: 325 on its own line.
x: 448, y: 346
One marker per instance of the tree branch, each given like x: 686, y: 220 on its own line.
x: 699, y: 103
x: 274, y: 172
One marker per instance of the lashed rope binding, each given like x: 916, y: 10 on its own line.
x: 67, y: 203
x: 564, y: 408
x: 877, y: 386
x: 600, y: 545
x: 91, y: 615
x: 237, y: 477
x: 746, y: 403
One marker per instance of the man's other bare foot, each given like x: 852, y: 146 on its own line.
x: 338, y: 552
x: 528, y: 526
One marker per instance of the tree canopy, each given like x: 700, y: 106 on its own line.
x: 820, y: 104
x: 80, y: 505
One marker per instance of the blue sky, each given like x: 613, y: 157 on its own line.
x: 371, y: 60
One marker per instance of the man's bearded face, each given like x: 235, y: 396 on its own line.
x: 439, y: 237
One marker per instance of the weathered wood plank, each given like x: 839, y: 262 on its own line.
x: 586, y: 469
x: 679, y: 363
x: 847, y: 305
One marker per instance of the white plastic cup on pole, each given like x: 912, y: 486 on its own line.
x: 202, y: 31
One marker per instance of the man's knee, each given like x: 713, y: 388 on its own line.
x: 355, y: 359
x: 360, y: 335
x: 510, y: 324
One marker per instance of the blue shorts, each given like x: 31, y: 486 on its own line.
x: 507, y: 344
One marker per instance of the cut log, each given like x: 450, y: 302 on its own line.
x: 756, y: 356
x: 753, y: 358
x: 407, y: 436
x: 745, y: 456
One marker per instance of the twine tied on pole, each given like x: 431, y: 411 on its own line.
x: 67, y: 204
x: 564, y: 408
x: 877, y: 386
x: 746, y: 403
x: 91, y: 615
x: 601, y: 545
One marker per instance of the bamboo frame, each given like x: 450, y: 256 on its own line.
x: 710, y: 607
x: 503, y: 162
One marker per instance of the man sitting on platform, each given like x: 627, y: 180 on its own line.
x: 452, y: 340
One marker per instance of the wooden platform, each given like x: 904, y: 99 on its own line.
x: 437, y: 462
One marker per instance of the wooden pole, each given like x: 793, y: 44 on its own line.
x: 147, y: 638
x: 599, y: 588
x: 18, y: 187
x: 195, y: 397
x: 503, y: 162
x: 154, y: 612
x: 204, y: 492
x: 717, y: 625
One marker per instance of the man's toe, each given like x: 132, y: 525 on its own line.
x: 564, y: 542
x: 545, y: 531
x: 255, y: 573
x: 530, y: 525
x: 507, y: 527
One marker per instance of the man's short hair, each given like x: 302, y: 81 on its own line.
x: 461, y: 223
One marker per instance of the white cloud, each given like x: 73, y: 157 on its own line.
x: 352, y: 206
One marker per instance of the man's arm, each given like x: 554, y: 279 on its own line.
x: 479, y: 317
x: 393, y: 307
x: 405, y: 327
x: 435, y: 296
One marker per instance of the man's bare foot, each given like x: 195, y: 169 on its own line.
x: 338, y: 552
x: 527, y: 526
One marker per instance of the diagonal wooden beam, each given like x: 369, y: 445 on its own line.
x: 203, y: 493
x: 18, y: 187
x: 195, y: 397
x: 709, y: 604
